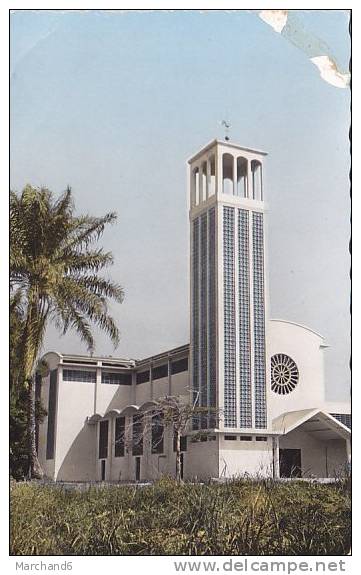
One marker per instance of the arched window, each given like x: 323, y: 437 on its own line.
x: 227, y: 174
x: 256, y: 168
x: 242, y: 165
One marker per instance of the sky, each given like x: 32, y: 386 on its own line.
x: 113, y: 103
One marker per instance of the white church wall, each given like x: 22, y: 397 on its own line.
x: 143, y: 393
x: 303, y: 346
x: 180, y: 384
x: 336, y: 458
x: 201, y: 460
x: 112, y: 396
x: 253, y: 458
x: 156, y: 465
x: 75, y: 439
x: 313, y: 454
x: 160, y: 387
x: 318, y: 458
x: 337, y: 406
x: 152, y: 465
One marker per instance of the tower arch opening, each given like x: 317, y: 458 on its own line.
x: 212, y: 175
x: 195, y: 187
x: 256, y: 169
x: 227, y: 174
x: 242, y: 179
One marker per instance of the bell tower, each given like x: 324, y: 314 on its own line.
x: 228, y: 285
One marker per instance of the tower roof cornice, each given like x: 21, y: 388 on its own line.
x: 216, y: 142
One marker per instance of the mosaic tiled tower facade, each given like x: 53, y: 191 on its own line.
x: 228, y: 292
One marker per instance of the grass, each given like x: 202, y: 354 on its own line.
x: 241, y: 517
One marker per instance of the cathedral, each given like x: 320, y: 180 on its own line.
x: 256, y: 384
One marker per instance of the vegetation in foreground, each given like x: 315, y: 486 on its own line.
x: 241, y: 517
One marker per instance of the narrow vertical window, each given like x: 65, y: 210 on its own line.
x: 229, y: 319
x: 244, y: 320
x: 103, y: 439
x: 259, y: 321
x: 50, y: 435
x: 157, y: 434
x: 212, y: 318
x: 119, y: 437
x: 137, y: 443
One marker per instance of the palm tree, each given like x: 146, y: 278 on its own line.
x: 54, y: 278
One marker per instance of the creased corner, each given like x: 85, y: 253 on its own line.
x: 287, y: 24
x: 277, y: 19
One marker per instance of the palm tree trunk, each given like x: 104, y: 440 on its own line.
x: 35, y: 470
x: 32, y: 338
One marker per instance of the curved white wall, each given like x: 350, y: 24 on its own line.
x: 304, y: 347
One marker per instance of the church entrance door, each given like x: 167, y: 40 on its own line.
x: 290, y: 463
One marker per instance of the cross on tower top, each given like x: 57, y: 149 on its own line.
x: 227, y: 125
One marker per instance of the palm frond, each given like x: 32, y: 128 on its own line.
x: 75, y: 320
x: 108, y: 325
x: 64, y: 206
x: 88, y: 229
x: 101, y: 287
x: 94, y: 260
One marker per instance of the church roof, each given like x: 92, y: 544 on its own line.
x: 315, y: 421
x: 228, y: 144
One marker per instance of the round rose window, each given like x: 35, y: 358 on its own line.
x: 284, y: 374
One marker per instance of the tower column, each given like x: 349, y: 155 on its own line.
x: 249, y: 181
x: 200, y: 182
x: 251, y: 315
x: 220, y: 311
x: 219, y: 173
x: 208, y: 178
x: 235, y: 176
x: 237, y: 312
x: 192, y: 188
x: 275, y: 457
